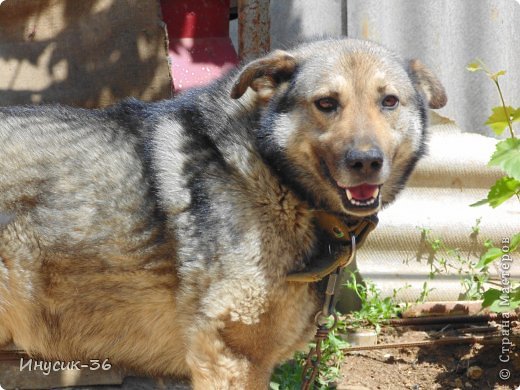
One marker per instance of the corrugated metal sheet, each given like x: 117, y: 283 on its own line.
x: 294, y: 20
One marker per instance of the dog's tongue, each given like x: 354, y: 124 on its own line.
x: 364, y: 191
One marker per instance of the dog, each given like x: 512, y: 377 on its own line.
x: 160, y: 235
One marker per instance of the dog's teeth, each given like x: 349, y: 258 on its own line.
x: 366, y: 202
x: 363, y: 202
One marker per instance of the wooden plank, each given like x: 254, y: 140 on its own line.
x: 85, y: 53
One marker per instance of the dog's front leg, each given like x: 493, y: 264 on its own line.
x: 214, y: 365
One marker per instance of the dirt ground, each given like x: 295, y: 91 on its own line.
x: 433, y: 367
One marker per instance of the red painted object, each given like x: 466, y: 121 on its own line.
x: 200, y: 49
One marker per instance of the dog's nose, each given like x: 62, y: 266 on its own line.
x: 366, y: 162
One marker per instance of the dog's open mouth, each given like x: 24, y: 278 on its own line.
x: 364, y: 196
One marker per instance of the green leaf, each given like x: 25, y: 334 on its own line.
x: 274, y: 386
x: 490, y: 296
x: 515, y: 296
x: 498, y: 121
x: 496, y: 75
x: 502, y: 190
x: 495, y: 300
x: 474, y: 66
x: 515, y: 242
x: 507, y: 157
x: 488, y: 257
x: 479, y: 203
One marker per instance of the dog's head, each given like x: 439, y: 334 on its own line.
x: 344, y: 122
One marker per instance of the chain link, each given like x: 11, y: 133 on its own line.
x: 312, y: 363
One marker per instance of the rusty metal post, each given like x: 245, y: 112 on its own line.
x: 254, y: 39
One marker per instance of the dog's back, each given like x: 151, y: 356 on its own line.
x: 62, y: 168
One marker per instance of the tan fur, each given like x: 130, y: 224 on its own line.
x: 431, y: 86
x: 259, y: 74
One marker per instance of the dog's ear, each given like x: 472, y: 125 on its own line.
x: 428, y: 83
x: 265, y: 74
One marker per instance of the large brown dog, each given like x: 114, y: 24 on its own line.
x: 159, y: 236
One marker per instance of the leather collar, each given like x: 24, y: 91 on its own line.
x: 336, y: 251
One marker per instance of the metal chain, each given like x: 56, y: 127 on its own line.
x: 311, y: 368
x: 312, y: 363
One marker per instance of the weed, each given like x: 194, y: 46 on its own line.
x: 375, y: 309
x: 444, y: 260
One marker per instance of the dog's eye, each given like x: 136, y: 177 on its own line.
x: 390, y: 101
x: 327, y: 104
